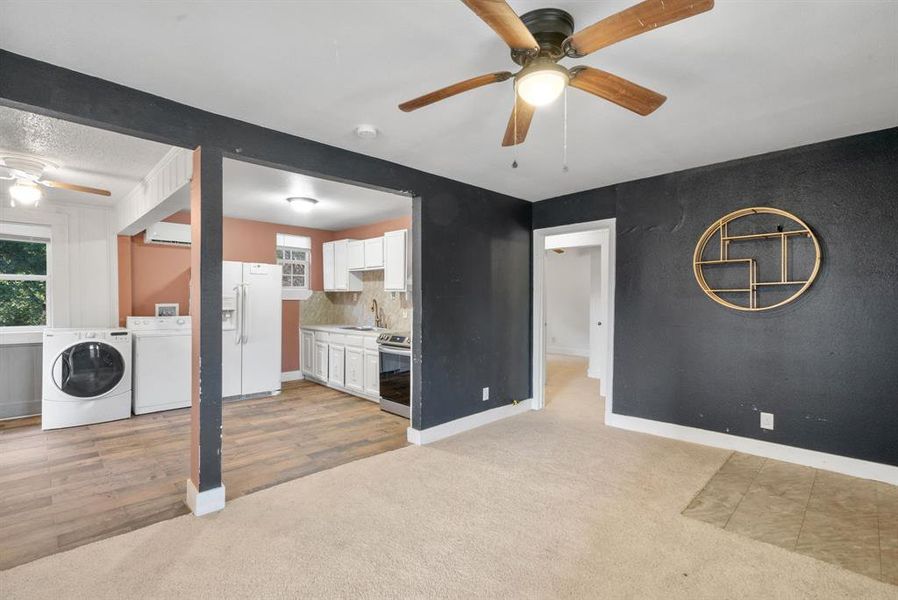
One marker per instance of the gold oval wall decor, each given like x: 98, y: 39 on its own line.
x: 782, y: 235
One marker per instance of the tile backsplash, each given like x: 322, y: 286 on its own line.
x: 354, y: 308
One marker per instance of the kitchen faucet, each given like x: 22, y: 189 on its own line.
x: 378, y: 318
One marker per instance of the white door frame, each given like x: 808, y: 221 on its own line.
x: 538, y: 299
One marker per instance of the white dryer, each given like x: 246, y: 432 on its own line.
x: 86, y: 377
x: 163, y: 362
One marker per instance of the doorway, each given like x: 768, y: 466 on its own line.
x: 573, y: 307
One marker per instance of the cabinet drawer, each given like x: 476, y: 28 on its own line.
x: 371, y: 343
x: 355, y: 341
x: 336, y: 338
x: 321, y: 336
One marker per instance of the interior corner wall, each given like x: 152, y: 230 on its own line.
x: 475, y: 309
x: 824, y: 364
x: 568, y: 284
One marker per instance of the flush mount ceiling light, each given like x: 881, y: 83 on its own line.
x: 366, y: 132
x: 541, y: 82
x: 25, y: 192
x: 301, y: 204
x: 542, y: 37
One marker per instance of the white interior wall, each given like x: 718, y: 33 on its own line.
x: 84, y: 281
x: 568, y: 291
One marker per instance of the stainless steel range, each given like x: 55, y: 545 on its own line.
x: 395, y: 372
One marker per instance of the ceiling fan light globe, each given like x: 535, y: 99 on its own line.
x: 542, y: 86
x: 25, y: 193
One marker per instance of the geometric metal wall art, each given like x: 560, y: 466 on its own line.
x: 756, y: 259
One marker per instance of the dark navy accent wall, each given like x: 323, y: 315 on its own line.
x: 472, y: 285
x: 591, y: 205
x: 826, y: 365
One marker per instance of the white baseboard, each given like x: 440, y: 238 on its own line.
x: 432, y: 434
x: 291, y: 376
x: 810, y: 458
x: 567, y: 351
x: 203, y: 503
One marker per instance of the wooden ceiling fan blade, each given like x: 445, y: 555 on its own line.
x: 518, y: 123
x: 74, y: 187
x: 627, y: 94
x: 637, y: 19
x: 505, y: 22
x: 452, y: 90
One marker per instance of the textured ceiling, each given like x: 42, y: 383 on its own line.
x: 84, y: 155
x: 743, y: 79
x: 260, y: 194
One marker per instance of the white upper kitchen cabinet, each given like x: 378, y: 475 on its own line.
x: 341, y: 264
x: 396, y: 261
x: 356, y: 258
x: 335, y: 259
x: 374, y: 253
x: 327, y: 257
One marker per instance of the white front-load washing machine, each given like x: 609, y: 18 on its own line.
x: 87, y: 377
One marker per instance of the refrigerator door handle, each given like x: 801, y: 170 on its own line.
x: 244, y: 335
x: 239, y: 324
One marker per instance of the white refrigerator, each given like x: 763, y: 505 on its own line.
x: 251, y: 329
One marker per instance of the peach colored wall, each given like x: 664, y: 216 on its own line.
x: 124, y: 278
x: 374, y: 229
x: 157, y: 273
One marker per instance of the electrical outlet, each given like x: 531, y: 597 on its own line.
x: 766, y: 420
x: 486, y: 394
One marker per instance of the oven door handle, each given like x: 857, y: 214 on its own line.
x: 395, y: 351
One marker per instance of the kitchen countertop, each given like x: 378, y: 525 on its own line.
x: 342, y: 329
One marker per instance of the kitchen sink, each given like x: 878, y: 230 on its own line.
x: 359, y: 327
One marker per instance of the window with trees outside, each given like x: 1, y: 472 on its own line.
x: 23, y: 282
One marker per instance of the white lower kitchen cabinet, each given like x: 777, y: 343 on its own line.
x: 372, y: 372
x: 307, y: 352
x: 336, y: 364
x: 321, y: 351
x: 355, y: 369
x: 345, y: 361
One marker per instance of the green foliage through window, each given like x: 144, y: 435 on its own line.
x: 23, y: 285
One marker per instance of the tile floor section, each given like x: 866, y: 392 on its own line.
x: 843, y: 520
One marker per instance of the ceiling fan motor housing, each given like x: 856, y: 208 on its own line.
x: 550, y: 27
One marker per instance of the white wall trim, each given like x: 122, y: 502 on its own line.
x: 291, y: 376
x: 431, y: 434
x: 539, y: 301
x: 203, y: 503
x: 810, y: 458
x: 568, y: 351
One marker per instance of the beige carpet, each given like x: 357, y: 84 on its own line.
x: 550, y: 504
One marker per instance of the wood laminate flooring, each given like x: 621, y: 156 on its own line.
x: 64, y: 488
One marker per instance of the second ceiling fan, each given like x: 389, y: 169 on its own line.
x: 540, y: 38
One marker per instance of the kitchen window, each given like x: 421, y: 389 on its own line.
x: 24, y: 277
x: 294, y: 254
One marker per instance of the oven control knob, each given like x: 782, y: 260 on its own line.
x: 180, y: 321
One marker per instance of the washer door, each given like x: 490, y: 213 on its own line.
x: 88, y: 369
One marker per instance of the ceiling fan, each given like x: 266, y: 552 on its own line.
x: 28, y: 174
x: 542, y: 37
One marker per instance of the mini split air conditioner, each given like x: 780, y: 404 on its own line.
x: 173, y: 234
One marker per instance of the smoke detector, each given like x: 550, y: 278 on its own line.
x: 366, y: 132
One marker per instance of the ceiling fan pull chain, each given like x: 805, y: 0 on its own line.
x: 564, y: 137
x: 514, y: 93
